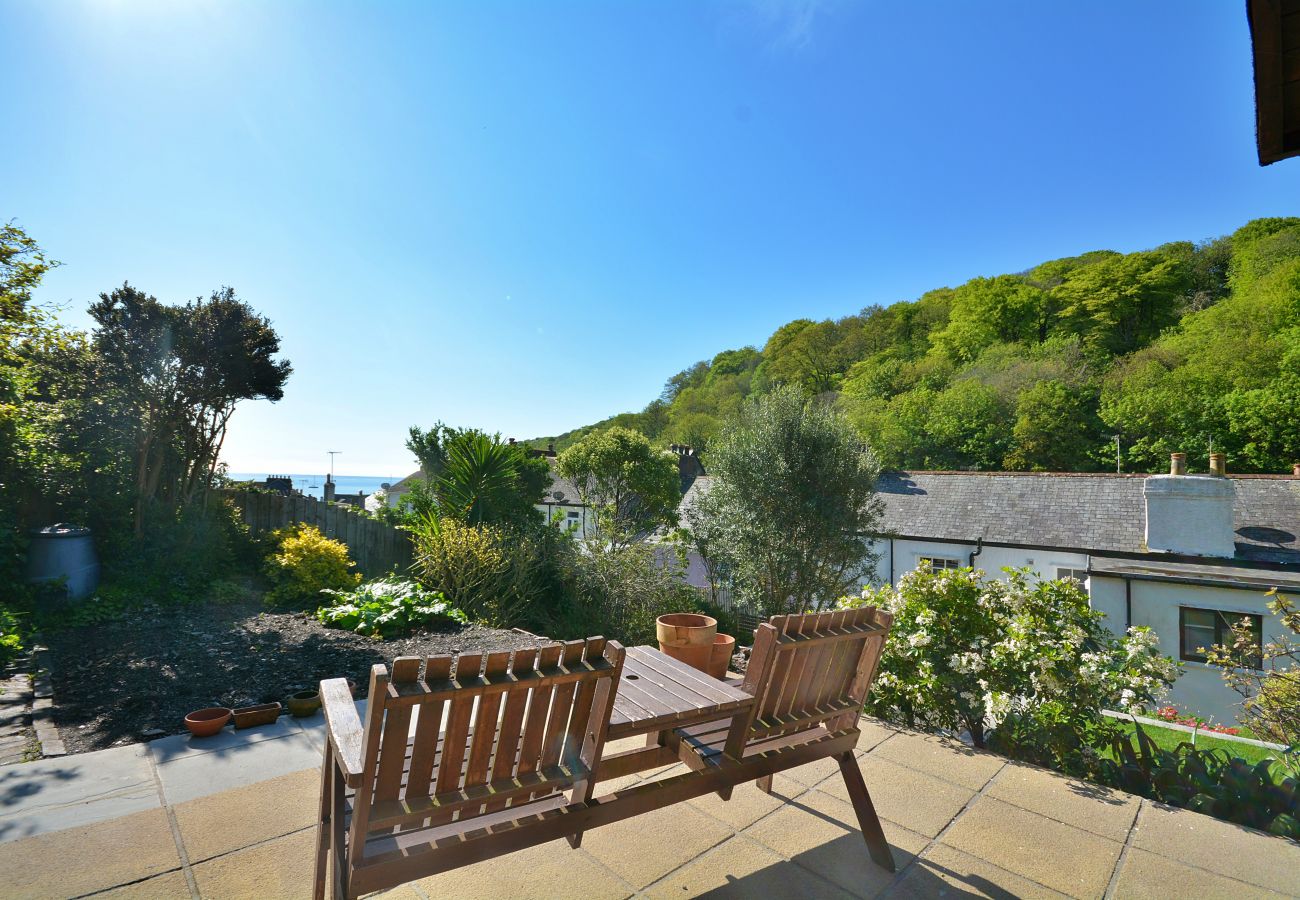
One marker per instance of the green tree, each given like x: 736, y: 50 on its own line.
x: 1056, y: 428
x: 633, y: 488
x: 985, y: 311
x: 1121, y: 303
x: 792, y: 503
x: 477, y: 477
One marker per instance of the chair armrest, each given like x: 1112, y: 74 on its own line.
x: 343, y: 726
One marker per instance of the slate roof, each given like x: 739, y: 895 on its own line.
x: 1088, y: 512
x: 562, y: 491
x: 1093, y: 513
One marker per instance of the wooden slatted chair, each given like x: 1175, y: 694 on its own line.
x: 519, y: 732
x: 810, y: 675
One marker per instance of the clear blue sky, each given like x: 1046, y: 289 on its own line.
x: 525, y: 216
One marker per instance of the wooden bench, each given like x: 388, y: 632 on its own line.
x: 505, y: 750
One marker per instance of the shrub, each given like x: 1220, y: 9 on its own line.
x: 1268, y: 677
x: 968, y: 654
x: 619, y: 592
x: 11, y: 636
x: 305, y: 562
x: 483, y: 570
x: 389, y: 607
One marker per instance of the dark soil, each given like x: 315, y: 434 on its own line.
x: 135, y: 679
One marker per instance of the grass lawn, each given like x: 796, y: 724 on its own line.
x: 1169, y: 738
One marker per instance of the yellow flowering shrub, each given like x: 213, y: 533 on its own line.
x: 305, y: 562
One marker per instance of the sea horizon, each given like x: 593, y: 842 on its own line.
x: 314, y: 485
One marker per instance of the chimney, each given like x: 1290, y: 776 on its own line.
x: 1218, y: 465
x: 329, y: 488
x: 1189, y: 514
x: 1177, y: 463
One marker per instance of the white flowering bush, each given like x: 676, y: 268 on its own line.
x: 1029, y: 658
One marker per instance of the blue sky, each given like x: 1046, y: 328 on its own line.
x: 525, y: 216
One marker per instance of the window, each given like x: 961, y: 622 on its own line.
x: 938, y: 563
x: 1202, y: 628
x: 1079, y: 575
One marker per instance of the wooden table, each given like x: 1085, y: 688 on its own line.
x: 656, y: 694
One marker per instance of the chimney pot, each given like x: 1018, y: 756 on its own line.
x: 1177, y: 463
x: 1218, y: 465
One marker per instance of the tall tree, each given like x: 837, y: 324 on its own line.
x: 633, y: 487
x: 792, y: 504
x: 478, y: 478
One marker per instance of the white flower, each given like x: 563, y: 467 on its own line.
x: 919, y: 638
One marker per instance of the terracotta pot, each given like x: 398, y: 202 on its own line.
x: 724, y: 647
x: 207, y: 722
x: 261, y: 714
x: 304, y: 703
x: 687, y: 637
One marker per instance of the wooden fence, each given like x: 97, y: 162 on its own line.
x: 377, y: 547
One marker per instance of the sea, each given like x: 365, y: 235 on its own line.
x: 314, y: 485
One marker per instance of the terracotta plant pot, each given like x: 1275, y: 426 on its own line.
x: 687, y: 637
x: 304, y: 703
x: 724, y: 647
x: 261, y: 714
x: 207, y: 722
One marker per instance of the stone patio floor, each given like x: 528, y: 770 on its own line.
x: 232, y: 816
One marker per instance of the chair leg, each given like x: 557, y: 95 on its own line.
x: 323, y: 824
x: 868, y: 821
x: 764, y: 783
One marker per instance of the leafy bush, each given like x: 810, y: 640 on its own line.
x: 487, y: 572
x: 11, y: 636
x: 1207, y: 781
x: 305, y: 562
x: 967, y: 654
x: 619, y: 592
x: 389, y: 607
x: 229, y: 591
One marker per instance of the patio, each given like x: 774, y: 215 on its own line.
x: 232, y: 817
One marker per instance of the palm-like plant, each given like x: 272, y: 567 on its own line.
x: 478, y: 482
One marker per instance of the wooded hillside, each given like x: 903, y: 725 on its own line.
x: 1172, y: 349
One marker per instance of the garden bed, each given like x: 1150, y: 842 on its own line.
x: 135, y: 678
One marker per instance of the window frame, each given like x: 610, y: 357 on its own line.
x: 1223, y: 621
x: 1079, y: 575
x: 932, y: 560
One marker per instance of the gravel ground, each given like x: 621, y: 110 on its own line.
x: 135, y: 679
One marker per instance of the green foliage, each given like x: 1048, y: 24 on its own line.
x: 1267, y: 676
x: 389, y: 607
x: 12, y: 635
x: 1213, y: 782
x: 967, y: 654
x: 476, y: 477
x: 304, y: 562
x: 619, y: 592
x: 632, y: 487
x: 782, y: 524
x: 1171, y: 348
x: 489, y: 573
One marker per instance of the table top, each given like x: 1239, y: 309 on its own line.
x: 657, y: 692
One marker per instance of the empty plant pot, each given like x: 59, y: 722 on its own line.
x: 304, y: 703
x: 261, y: 714
x: 687, y: 637
x: 207, y: 722
x: 724, y: 647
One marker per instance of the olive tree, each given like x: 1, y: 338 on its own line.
x: 633, y: 488
x: 791, y: 507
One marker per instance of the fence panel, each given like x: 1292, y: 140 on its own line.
x: 377, y: 547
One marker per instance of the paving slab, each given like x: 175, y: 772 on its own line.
x: 912, y: 799
x: 820, y: 833
x: 53, y: 794
x: 740, y: 867
x: 1091, y: 807
x: 163, y: 887
x: 280, y: 869
x: 645, y: 848
x: 748, y: 804
x: 1059, y: 856
x: 1198, y: 840
x: 543, y: 872
x: 90, y: 858
x: 947, y: 872
x: 1149, y: 875
x: 231, y: 820
x: 201, y: 774
x: 941, y: 757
